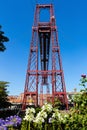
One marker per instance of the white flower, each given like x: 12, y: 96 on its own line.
x: 47, y: 107
x: 53, y: 116
x: 39, y: 120
x: 66, y: 116
x: 29, y: 114
x: 29, y: 118
x: 30, y: 110
x: 42, y: 114
x: 57, y: 116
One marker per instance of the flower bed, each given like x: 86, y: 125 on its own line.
x: 49, y: 118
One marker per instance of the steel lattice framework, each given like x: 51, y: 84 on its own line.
x: 44, y: 64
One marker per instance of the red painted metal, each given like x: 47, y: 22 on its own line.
x: 44, y: 64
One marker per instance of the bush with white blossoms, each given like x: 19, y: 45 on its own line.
x: 29, y: 115
x: 48, y: 114
x: 43, y: 114
x: 56, y: 116
x: 47, y: 107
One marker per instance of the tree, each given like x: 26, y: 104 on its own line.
x: 2, y: 40
x: 3, y: 94
x: 81, y: 99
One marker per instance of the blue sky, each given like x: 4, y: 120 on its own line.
x: 16, y: 18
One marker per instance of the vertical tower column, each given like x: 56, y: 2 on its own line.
x: 44, y: 64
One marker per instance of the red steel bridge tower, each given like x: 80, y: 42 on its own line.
x: 44, y: 64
